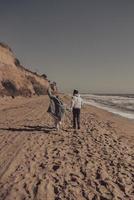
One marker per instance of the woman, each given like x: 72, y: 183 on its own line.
x: 56, y: 109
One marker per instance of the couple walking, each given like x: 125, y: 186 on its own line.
x: 57, y: 108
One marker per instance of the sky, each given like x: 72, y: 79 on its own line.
x: 80, y: 44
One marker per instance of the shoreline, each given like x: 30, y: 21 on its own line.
x: 122, y: 125
x: 114, y: 110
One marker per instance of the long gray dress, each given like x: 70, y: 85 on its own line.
x: 56, y: 107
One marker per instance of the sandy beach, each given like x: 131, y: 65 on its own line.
x: 38, y: 163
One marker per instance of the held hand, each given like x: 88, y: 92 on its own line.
x: 71, y: 109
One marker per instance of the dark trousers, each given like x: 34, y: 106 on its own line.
x: 76, y: 117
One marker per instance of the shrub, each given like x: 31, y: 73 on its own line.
x: 10, y: 87
x: 44, y: 76
x: 38, y: 88
x: 5, y: 46
x: 16, y: 62
x: 25, y: 92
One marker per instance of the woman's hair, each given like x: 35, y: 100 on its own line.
x: 75, y: 92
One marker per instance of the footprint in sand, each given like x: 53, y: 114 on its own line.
x: 56, y: 167
x: 42, y: 165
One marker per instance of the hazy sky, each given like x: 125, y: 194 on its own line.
x: 83, y: 44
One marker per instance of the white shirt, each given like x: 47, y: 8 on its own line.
x: 77, y: 101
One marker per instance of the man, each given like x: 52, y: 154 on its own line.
x: 76, y: 105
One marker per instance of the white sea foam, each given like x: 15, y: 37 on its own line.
x: 119, y: 105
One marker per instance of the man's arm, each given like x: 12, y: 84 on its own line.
x: 72, y: 103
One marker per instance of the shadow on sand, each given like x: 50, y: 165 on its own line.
x: 45, y: 129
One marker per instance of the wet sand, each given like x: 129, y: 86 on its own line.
x: 39, y: 163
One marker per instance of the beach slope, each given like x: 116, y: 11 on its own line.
x: 39, y: 163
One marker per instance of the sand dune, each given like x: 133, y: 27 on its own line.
x: 36, y: 162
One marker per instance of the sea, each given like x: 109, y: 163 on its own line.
x: 120, y: 104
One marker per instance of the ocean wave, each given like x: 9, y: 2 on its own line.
x: 123, y: 106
